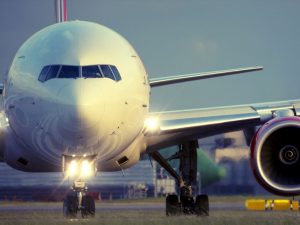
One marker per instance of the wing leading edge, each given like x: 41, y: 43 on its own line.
x: 156, y: 82
x: 175, y: 127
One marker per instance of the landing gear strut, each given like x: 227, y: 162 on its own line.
x: 78, y: 200
x: 186, y: 181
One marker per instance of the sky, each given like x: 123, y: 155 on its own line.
x: 177, y: 37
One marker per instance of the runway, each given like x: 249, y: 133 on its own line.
x: 109, y: 206
x: 228, y: 210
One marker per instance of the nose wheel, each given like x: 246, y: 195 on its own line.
x: 87, y: 207
x: 78, y: 200
x: 70, y: 206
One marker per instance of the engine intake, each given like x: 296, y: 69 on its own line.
x: 275, y: 156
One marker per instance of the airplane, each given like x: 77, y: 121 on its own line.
x: 76, y: 100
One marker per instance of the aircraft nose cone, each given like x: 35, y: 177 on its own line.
x: 81, y: 104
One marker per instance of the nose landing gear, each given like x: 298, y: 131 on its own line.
x: 78, y: 200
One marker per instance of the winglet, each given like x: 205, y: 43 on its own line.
x: 156, y: 82
x: 61, y: 10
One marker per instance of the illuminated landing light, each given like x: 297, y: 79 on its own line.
x: 152, y: 124
x: 72, y: 168
x: 4, y: 122
x: 86, y: 169
x: 80, y: 168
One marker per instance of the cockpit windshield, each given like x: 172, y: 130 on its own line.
x: 91, y: 72
x: 67, y: 71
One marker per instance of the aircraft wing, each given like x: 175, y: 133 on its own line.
x: 163, y: 129
x: 161, y: 81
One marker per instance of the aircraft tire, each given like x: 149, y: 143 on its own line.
x: 70, y: 206
x: 202, y: 205
x: 172, y: 205
x: 88, y: 206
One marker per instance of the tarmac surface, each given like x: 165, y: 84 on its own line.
x: 227, y: 210
x: 112, y: 206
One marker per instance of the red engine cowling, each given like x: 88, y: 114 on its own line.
x: 275, y: 156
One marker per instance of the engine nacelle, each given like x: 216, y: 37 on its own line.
x: 275, y: 156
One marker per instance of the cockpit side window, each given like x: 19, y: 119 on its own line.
x: 91, y: 72
x: 116, y: 73
x: 69, y: 72
x: 43, y: 73
x: 107, y: 72
x: 52, y: 73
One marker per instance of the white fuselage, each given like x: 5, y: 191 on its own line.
x: 67, y: 116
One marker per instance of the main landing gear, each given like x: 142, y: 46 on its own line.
x: 187, y: 181
x: 78, y: 200
x: 187, y: 205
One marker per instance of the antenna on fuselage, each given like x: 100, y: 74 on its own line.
x: 60, y: 10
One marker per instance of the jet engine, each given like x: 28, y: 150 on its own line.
x: 275, y: 156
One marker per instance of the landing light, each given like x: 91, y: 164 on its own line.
x: 152, y: 124
x: 78, y: 168
x: 72, y: 168
x: 86, y: 169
